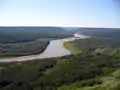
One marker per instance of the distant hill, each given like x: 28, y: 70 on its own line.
x: 21, y: 34
x: 111, y: 33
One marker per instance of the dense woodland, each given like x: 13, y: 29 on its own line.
x: 80, y: 71
x: 111, y: 33
x: 88, y: 69
x: 24, y: 34
x: 21, y: 41
x: 84, y: 71
x: 22, y: 48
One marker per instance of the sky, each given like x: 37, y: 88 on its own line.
x: 73, y: 13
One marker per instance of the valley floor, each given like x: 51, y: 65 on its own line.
x: 97, y: 67
x: 54, y: 49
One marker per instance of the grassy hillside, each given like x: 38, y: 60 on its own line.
x: 92, y: 45
x: 85, y: 71
x: 94, y: 65
x: 74, y: 50
x: 82, y: 72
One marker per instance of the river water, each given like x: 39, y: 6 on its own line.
x: 54, y: 49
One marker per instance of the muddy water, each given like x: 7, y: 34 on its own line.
x: 54, y: 49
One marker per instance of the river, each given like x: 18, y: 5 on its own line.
x: 54, y: 49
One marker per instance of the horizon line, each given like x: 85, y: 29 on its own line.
x: 58, y: 26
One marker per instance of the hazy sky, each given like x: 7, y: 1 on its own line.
x: 88, y: 13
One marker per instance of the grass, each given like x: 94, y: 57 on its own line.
x: 96, y: 87
x: 71, y: 48
x: 109, y: 82
x: 84, y: 71
x: 112, y: 81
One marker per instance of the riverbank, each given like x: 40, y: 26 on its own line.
x: 10, y: 50
x: 54, y: 49
x: 71, y: 48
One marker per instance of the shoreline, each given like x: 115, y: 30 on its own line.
x: 53, y: 50
x: 45, y: 54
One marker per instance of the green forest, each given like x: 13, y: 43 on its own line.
x: 21, y: 41
x: 22, y: 48
x: 87, y: 70
x: 93, y: 65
